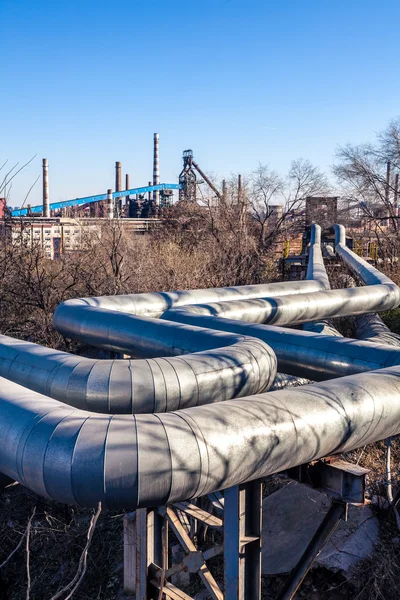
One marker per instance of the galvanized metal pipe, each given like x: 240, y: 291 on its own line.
x: 126, y: 461
x: 368, y: 274
x: 129, y: 461
x: 219, y: 367
x: 303, y: 353
x: 316, y: 271
x: 297, y: 309
x: 106, y: 321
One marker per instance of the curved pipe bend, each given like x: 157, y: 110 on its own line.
x: 223, y: 366
x: 154, y: 304
x: 127, y: 461
x: 371, y: 328
x: 379, y: 294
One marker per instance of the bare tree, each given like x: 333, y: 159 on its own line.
x: 368, y: 174
x: 274, y: 199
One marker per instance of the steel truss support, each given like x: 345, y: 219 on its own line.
x: 239, y: 512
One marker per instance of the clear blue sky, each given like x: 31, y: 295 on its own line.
x: 86, y: 83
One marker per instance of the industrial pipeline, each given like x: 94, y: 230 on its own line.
x: 73, y: 452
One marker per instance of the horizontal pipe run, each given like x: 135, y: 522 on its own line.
x: 296, y: 309
x: 306, y: 354
x: 154, y: 304
x: 127, y: 461
x: 216, y: 367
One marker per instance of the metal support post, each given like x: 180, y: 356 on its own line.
x: 242, y: 541
x: 151, y: 553
x: 130, y: 553
x: 337, y: 511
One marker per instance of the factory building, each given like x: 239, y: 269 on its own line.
x: 55, y: 236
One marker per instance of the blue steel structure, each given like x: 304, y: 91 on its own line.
x: 21, y: 212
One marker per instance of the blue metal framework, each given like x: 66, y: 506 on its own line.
x: 21, y: 212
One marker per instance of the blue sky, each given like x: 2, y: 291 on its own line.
x: 85, y: 83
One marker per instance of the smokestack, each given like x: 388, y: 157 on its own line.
x: 156, y: 169
x: 239, y: 188
x: 149, y: 192
x: 110, y: 205
x: 118, y: 179
x: 46, y: 203
x: 387, y: 189
x: 127, y: 182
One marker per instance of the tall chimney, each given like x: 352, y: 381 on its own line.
x: 156, y: 169
x: 149, y: 198
x: 239, y: 189
x: 46, y: 202
x: 118, y: 180
x: 110, y: 205
x: 127, y: 181
x: 224, y: 190
x: 387, y: 188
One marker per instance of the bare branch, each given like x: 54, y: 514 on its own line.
x: 82, y: 566
x: 30, y: 189
x: 6, y: 182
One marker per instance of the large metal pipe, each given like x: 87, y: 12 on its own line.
x: 129, y: 461
x: 215, y: 367
x: 46, y: 197
x: 307, y: 354
x: 103, y: 320
x: 297, y: 309
x: 379, y: 294
x: 125, y: 461
x: 368, y: 274
x: 156, y: 169
x: 240, y: 366
x: 316, y: 271
x: 371, y: 328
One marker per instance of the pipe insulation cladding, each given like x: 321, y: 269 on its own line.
x: 131, y: 461
x: 75, y: 453
x: 216, y: 366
